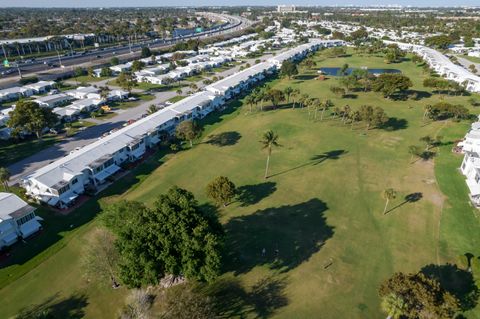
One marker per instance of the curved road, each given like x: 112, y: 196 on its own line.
x: 124, y: 52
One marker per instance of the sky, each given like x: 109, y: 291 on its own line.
x: 150, y: 3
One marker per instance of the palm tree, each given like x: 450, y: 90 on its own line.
x: 250, y: 100
x: 193, y: 86
x: 152, y: 109
x: 104, y: 91
x: 413, y: 150
x: 288, y: 92
x: 4, y: 177
x: 346, y: 111
x: 394, y: 306
x: 388, y: 194
x: 303, y: 99
x: 325, y: 105
x: 354, y: 116
x: 295, y: 94
x: 427, y: 110
x: 260, y: 97
x: 269, y: 140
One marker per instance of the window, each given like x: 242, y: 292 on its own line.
x: 477, y: 178
x: 108, y: 163
x: 63, y: 189
x: 25, y: 219
x: 74, y: 181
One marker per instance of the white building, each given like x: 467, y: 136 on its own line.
x: 41, y: 87
x: 54, y: 100
x: 471, y: 162
x: 17, y: 219
x: 443, y: 66
x: 61, y: 182
x: 84, y: 92
x: 284, y: 8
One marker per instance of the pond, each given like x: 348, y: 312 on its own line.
x: 335, y: 71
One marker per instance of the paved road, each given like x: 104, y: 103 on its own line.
x: 466, y: 63
x: 124, y: 52
x: 30, y: 164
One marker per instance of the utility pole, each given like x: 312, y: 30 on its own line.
x: 59, y: 59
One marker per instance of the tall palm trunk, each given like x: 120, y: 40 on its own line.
x: 268, y: 162
x: 386, y: 205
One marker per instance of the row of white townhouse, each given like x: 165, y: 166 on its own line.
x: 470, y: 167
x: 62, y: 181
x: 17, y: 92
x: 443, y: 66
x: 17, y: 219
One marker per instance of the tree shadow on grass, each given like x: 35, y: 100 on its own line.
x: 305, y: 77
x: 418, y: 95
x: 315, y: 160
x: 262, y: 300
x: 281, y: 238
x: 53, y: 307
x: 458, y: 282
x: 224, y: 138
x: 394, y: 124
x: 410, y: 198
x: 252, y: 194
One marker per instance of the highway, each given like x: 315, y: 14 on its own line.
x: 64, y: 64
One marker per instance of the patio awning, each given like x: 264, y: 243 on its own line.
x: 29, y: 228
x: 102, y: 175
x: 10, y: 239
x: 70, y: 198
x: 53, y: 201
x: 112, y: 169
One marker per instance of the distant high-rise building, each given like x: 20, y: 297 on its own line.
x: 284, y: 8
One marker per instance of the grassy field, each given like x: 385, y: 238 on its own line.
x: 176, y: 98
x: 318, y: 215
x: 11, y: 152
x: 471, y: 58
x: 129, y: 104
x: 89, y: 79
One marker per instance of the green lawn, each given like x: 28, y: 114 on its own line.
x: 128, y: 104
x: 176, y: 98
x: 88, y: 79
x: 320, y: 209
x: 14, y: 151
x: 471, y: 58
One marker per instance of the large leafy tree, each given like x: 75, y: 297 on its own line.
x: 439, y: 41
x: 29, y: 117
x: 4, y: 177
x: 394, y: 306
x: 137, y: 65
x: 420, y: 296
x: 389, y: 84
x: 288, y: 69
x: 126, y: 81
x: 188, y: 130
x: 173, y: 237
x: 221, y: 190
